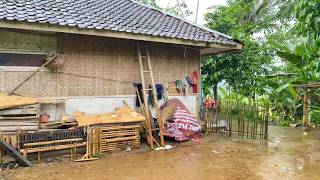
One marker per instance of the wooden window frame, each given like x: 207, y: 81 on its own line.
x: 22, y: 68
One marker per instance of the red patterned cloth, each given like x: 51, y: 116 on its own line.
x: 195, y: 78
x: 184, y: 126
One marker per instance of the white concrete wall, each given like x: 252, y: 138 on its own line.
x: 96, y: 105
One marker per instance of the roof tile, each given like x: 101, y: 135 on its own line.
x: 115, y: 15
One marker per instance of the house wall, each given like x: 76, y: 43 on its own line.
x: 94, y: 66
x: 95, y: 105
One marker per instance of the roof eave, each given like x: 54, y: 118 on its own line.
x: 107, y: 33
x: 213, y: 49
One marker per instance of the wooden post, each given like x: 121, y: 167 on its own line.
x: 39, y: 156
x: 266, y: 125
x: 1, y: 151
x: 305, y: 120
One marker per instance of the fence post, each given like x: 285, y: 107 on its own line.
x: 206, y: 121
x: 266, y: 126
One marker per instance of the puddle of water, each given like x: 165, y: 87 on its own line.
x: 288, y: 154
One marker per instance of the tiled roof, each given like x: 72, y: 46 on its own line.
x: 114, y: 15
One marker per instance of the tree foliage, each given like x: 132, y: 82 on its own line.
x: 280, y: 37
x: 180, y: 9
x: 244, y: 20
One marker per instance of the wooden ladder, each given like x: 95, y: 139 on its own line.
x: 142, y: 48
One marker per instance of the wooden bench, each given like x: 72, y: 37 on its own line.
x: 55, y: 145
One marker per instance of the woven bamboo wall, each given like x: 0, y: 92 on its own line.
x: 96, y: 66
x: 27, y: 41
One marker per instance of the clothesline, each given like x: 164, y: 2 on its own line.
x: 109, y: 79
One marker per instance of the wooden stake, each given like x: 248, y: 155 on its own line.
x: 87, y: 156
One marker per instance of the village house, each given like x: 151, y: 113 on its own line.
x: 95, y: 44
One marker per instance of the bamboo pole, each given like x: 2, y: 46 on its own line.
x: 155, y: 100
x: 206, y: 121
x: 34, y: 73
x: 145, y: 99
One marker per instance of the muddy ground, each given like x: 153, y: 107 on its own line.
x: 288, y: 154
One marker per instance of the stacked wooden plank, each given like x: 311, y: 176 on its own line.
x: 24, y: 117
x: 119, y: 137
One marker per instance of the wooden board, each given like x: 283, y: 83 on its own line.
x: 19, y: 123
x: 21, y: 110
x: 26, y: 118
x: 15, y: 128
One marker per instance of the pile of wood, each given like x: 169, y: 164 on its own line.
x: 113, y: 131
x: 24, y: 117
x: 64, y: 123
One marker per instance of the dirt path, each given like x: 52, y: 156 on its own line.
x: 288, y: 155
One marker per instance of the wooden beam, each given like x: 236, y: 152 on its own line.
x: 9, y: 149
x: 109, y: 33
x: 219, y: 50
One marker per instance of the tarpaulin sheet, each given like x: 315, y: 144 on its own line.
x: 183, y: 126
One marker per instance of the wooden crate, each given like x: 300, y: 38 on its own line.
x: 119, y: 137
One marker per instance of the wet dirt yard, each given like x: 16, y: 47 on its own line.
x: 288, y: 154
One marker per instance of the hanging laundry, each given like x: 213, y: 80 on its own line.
x: 150, y: 96
x: 195, y: 77
x: 159, y: 91
x: 189, y: 80
x: 139, y: 87
x: 179, y: 85
x: 185, y: 87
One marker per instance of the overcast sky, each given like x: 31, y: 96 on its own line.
x: 192, y: 5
